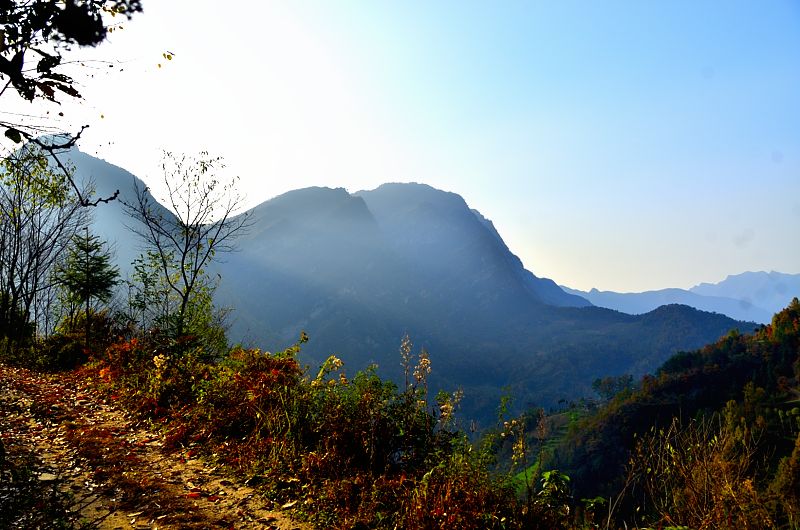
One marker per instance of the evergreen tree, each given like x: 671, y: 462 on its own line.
x: 88, y: 273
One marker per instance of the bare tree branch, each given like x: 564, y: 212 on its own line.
x: 203, y: 221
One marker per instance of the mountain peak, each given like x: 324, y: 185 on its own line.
x: 403, y: 199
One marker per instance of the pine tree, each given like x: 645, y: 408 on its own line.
x: 88, y: 273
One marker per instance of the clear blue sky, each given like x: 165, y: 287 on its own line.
x: 618, y: 145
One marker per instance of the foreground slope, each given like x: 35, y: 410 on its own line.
x: 93, y: 465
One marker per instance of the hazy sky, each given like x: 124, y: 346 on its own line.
x: 618, y: 145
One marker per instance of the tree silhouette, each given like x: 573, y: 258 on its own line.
x: 35, y: 38
x: 38, y: 218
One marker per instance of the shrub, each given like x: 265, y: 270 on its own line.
x: 701, y: 476
x: 459, y: 492
x: 355, y: 451
x: 61, y: 352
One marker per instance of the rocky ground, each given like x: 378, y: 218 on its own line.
x: 70, y: 458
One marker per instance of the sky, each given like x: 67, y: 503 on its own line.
x: 621, y: 145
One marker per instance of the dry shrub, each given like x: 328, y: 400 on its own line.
x: 344, y: 452
x: 458, y: 493
x: 701, y: 475
x: 786, y: 486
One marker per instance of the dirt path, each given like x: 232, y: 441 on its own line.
x: 107, y: 469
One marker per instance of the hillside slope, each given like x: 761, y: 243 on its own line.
x: 358, y: 271
x: 743, y: 389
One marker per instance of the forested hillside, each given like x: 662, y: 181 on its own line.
x: 712, y: 440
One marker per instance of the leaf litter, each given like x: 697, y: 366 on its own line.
x: 106, y: 469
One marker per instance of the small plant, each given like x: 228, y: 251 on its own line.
x: 341, y: 451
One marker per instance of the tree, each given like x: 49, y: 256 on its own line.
x: 148, y: 294
x: 202, y: 223
x: 88, y: 274
x: 39, y: 215
x: 610, y: 386
x: 35, y: 36
x: 14, y: 326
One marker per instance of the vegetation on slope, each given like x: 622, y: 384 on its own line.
x: 339, y: 451
x: 710, y: 441
x: 713, y: 440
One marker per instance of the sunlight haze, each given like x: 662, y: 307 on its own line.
x: 619, y: 145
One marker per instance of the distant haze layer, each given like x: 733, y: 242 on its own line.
x: 752, y: 296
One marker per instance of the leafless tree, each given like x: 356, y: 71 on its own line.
x: 203, y: 222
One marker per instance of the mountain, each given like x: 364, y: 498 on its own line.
x: 750, y: 296
x: 435, y: 230
x: 771, y: 290
x: 109, y: 221
x: 358, y: 271
x: 390, y: 251
x: 638, y: 303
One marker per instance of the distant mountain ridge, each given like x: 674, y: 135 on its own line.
x: 357, y: 271
x: 771, y: 290
x: 749, y: 296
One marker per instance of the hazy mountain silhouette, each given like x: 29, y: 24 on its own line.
x: 357, y: 271
x: 441, y: 237
x: 109, y: 220
x: 638, y: 303
x: 750, y: 296
x: 771, y: 290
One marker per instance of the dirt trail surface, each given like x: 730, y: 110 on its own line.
x: 107, y: 469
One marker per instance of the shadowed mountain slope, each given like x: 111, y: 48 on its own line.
x: 357, y: 271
